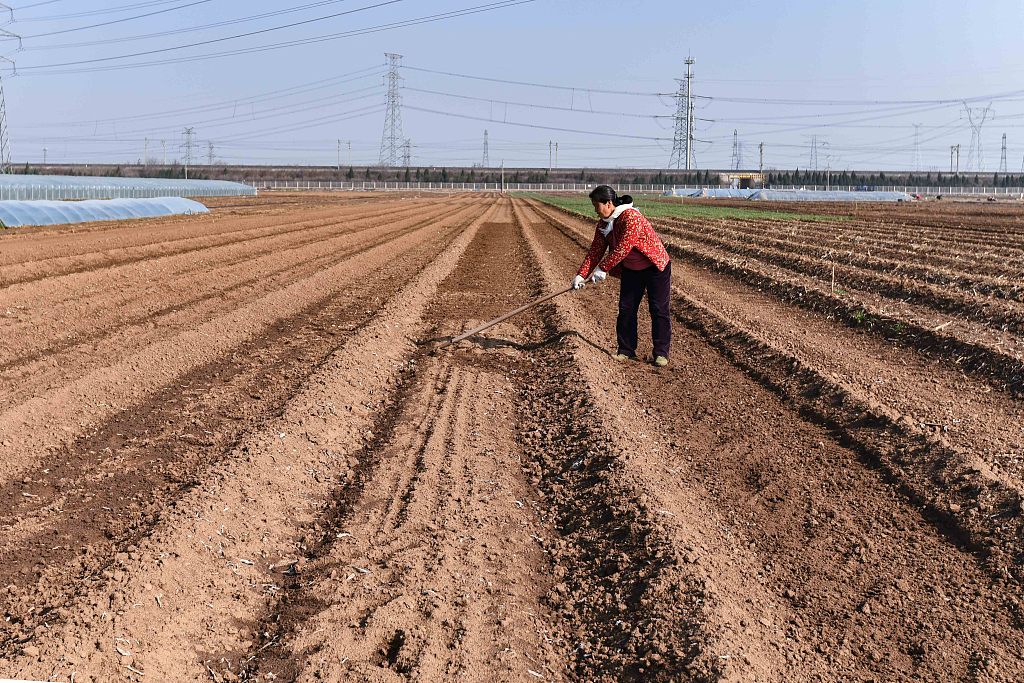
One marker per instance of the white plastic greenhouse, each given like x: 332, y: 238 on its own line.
x: 790, y: 195
x: 42, y: 212
x: 95, y: 187
x: 830, y: 196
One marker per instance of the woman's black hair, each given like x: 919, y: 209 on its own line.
x: 604, y: 193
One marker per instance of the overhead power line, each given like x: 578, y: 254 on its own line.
x: 234, y: 104
x: 538, y: 85
x: 117, y: 21
x: 535, y: 125
x: 54, y: 69
x: 212, y: 41
x: 187, y: 29
x: 530, y: 105
x: 89, y: 13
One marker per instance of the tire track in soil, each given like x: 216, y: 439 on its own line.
x: 613, y: 582
x: 102, y: 493
x: 188, y: 586
x: 859, y: 583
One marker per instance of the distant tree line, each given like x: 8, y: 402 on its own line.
x: 586, y: 176
x: 798, y: 177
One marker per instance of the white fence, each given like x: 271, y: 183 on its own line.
x: 357, y: 185
x: 369, y: 185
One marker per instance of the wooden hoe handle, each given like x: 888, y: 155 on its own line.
x: 492, y: 323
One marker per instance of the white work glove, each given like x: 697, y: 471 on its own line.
x: 598, y: 275
x: 578, y: 282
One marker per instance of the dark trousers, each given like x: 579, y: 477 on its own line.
x: 632, y: 285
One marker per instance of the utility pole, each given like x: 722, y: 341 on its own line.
x: 556, y: 155
x: 349, y: 152
x: 503, y: 176
x: 550, y: 148
x: 339, y: 154
x: 486, y: 162
x: 1002, y: 157
x: 682, y: 141
x: 390, y: 141
x: 44, y: 156
x: 145, y: 153
x: 760, y: 164
x: 188, y: 148
x: 163, y: 143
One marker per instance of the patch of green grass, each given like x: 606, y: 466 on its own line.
x: 657, y: 209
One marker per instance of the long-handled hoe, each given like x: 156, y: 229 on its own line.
x: 503, y: 318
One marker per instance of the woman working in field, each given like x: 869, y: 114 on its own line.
x: 625, y: 246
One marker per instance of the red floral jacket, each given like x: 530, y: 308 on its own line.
x: 631, y: 229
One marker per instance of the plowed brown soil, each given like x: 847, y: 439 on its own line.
x: 231, y: 449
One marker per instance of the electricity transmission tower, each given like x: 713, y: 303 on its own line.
x: 736, y: 161
x: 1002, y: 156
x: 486, y: 161
x: 189, y: 132
x: 391, y: 140
x: 406, y: 152
x: 682, y: 141
x: 760, y: 151
x: 813, y: 162
x: 954, y: 153
x: 5, y: 140
x: 976, y: 118
x: 209, y: 154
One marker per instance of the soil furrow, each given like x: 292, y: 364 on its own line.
x: 909, y: 264
x: 104, y: 391
x: 1002, y: 312
x: 106, y: 490
x: 996, y: 360
x: 73, y: 319
x: 117, y: 254
x: 33, y: 372
x: 858, y: 581
x: 216, y: 556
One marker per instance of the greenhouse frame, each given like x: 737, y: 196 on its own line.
x: 28, y: 187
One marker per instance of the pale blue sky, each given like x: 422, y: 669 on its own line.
x: 291, y: 105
